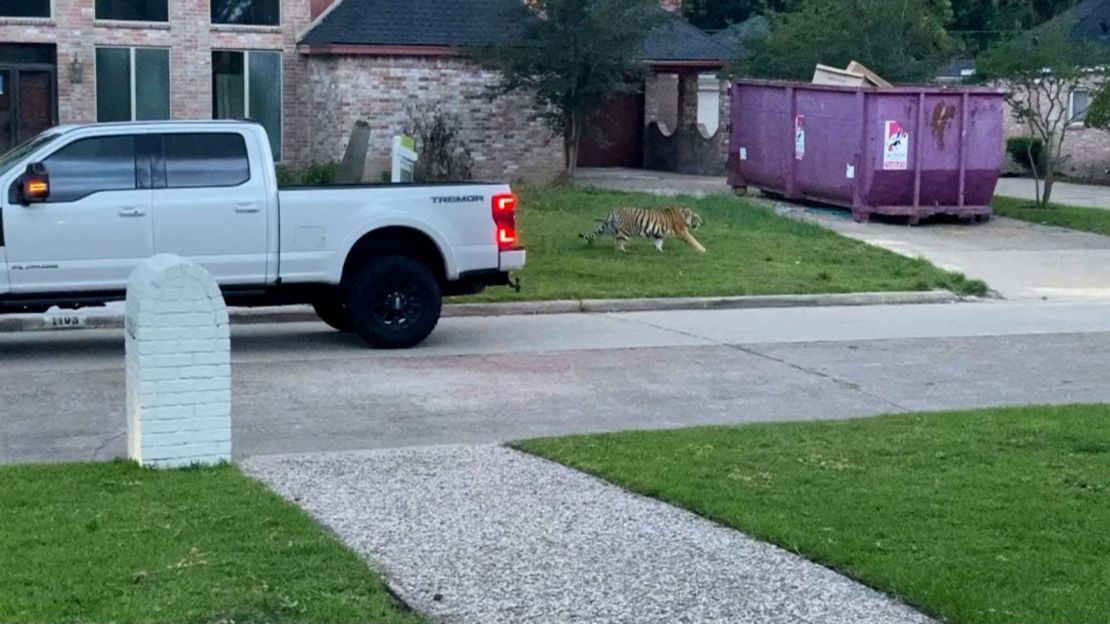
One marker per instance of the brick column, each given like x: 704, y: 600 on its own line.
x: 178, y: 366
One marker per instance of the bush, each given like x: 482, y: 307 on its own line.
x: 1018, y: 148
x: 444, y: 157
x: 315, y: 174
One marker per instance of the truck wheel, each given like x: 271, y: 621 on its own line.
x: 334, y: 313
x: 394, y: 302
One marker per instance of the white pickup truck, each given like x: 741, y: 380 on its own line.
x: 82, y: 205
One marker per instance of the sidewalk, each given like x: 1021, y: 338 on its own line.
x: 655, y: 182
x: 488, y: 535
x: 1088, y: 195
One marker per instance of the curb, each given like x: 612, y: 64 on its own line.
x: 71, y: 320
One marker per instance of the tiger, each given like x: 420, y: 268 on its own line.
x: 625, y: 222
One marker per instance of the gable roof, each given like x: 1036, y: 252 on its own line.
x: 1092, y: 21
x: 415, y: 23
x: 736, y: 36
x: 416, y: 26
x: 678, y: 40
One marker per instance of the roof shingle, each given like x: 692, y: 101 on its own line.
x: 459, y: 23
x: 416, y: 22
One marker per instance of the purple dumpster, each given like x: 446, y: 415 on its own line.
x: 905, y: 151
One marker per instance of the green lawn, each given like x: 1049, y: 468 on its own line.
x: 111, y: 542
x: 999, y: 515
x: 752, y: 251
x: 1095, y: 220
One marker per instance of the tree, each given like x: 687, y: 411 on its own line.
x: 720, y: 14
x: 1040, y: 69
x: 571, y: 57
x: 1098, y: 113
x: 901, y: 40
x: 982, y: 23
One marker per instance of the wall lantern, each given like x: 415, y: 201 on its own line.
x: 76, y: 69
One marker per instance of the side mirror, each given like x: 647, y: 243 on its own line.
x: 34, y: 186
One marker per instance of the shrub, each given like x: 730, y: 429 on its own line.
x: 1019, y: 150
x: 315, y: 174
x: 286, y: 176
x: 444, y: 156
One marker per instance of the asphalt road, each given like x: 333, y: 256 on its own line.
x: 302, y: 388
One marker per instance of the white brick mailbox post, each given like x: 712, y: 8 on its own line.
x: 178, y: 366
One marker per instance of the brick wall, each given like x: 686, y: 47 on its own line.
x: 190, y: 36
x: 505, y: 141
x: 687, y: 146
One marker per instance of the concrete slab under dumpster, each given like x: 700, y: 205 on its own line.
x: 904, y: 151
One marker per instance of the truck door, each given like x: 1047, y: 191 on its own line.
x: 94, y: 227
x: 211, y: 206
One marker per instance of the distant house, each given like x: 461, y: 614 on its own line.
x: 307, y: 70
x: 957, y: 71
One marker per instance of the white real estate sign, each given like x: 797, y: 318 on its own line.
x: 404, y: 158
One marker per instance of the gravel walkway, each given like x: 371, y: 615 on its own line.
x: 486, y: 535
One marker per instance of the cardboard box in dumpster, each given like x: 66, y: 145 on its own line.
x: 856, y: 75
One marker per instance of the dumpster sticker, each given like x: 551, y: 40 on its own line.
x: 743, y: 153
x: 799, y: 137
x: 896, y: 147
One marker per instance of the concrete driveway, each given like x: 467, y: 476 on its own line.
x: 1018, y: 260
x: 302, y: 388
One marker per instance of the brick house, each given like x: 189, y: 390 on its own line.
x: 305, y: 69
x: 371, y: 58
x: 1086, y: 150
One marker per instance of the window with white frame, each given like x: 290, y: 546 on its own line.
x: 132, y: 84
x: 247, y: 85
x: 1078, y: 101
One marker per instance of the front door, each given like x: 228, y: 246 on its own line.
x: 28, y: 93
x: 36, y: 103
x: 95, y: 227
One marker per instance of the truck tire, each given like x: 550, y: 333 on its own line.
x: 334, y: 313
x: 394, y: 302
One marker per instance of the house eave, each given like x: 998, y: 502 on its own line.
x: 685, y: 65
x: 359, y: 49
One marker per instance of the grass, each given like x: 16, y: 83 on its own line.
x: 1095, y: 220
x: 113, y: 542
x: 993, y: 516
x: 752, y: 251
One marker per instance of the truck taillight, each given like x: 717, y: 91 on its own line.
x: 504, y: 219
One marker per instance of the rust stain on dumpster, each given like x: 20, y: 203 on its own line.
x: 942, y: 116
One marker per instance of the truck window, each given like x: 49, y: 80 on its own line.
x: 92, y: 165
x: 205, y: 159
